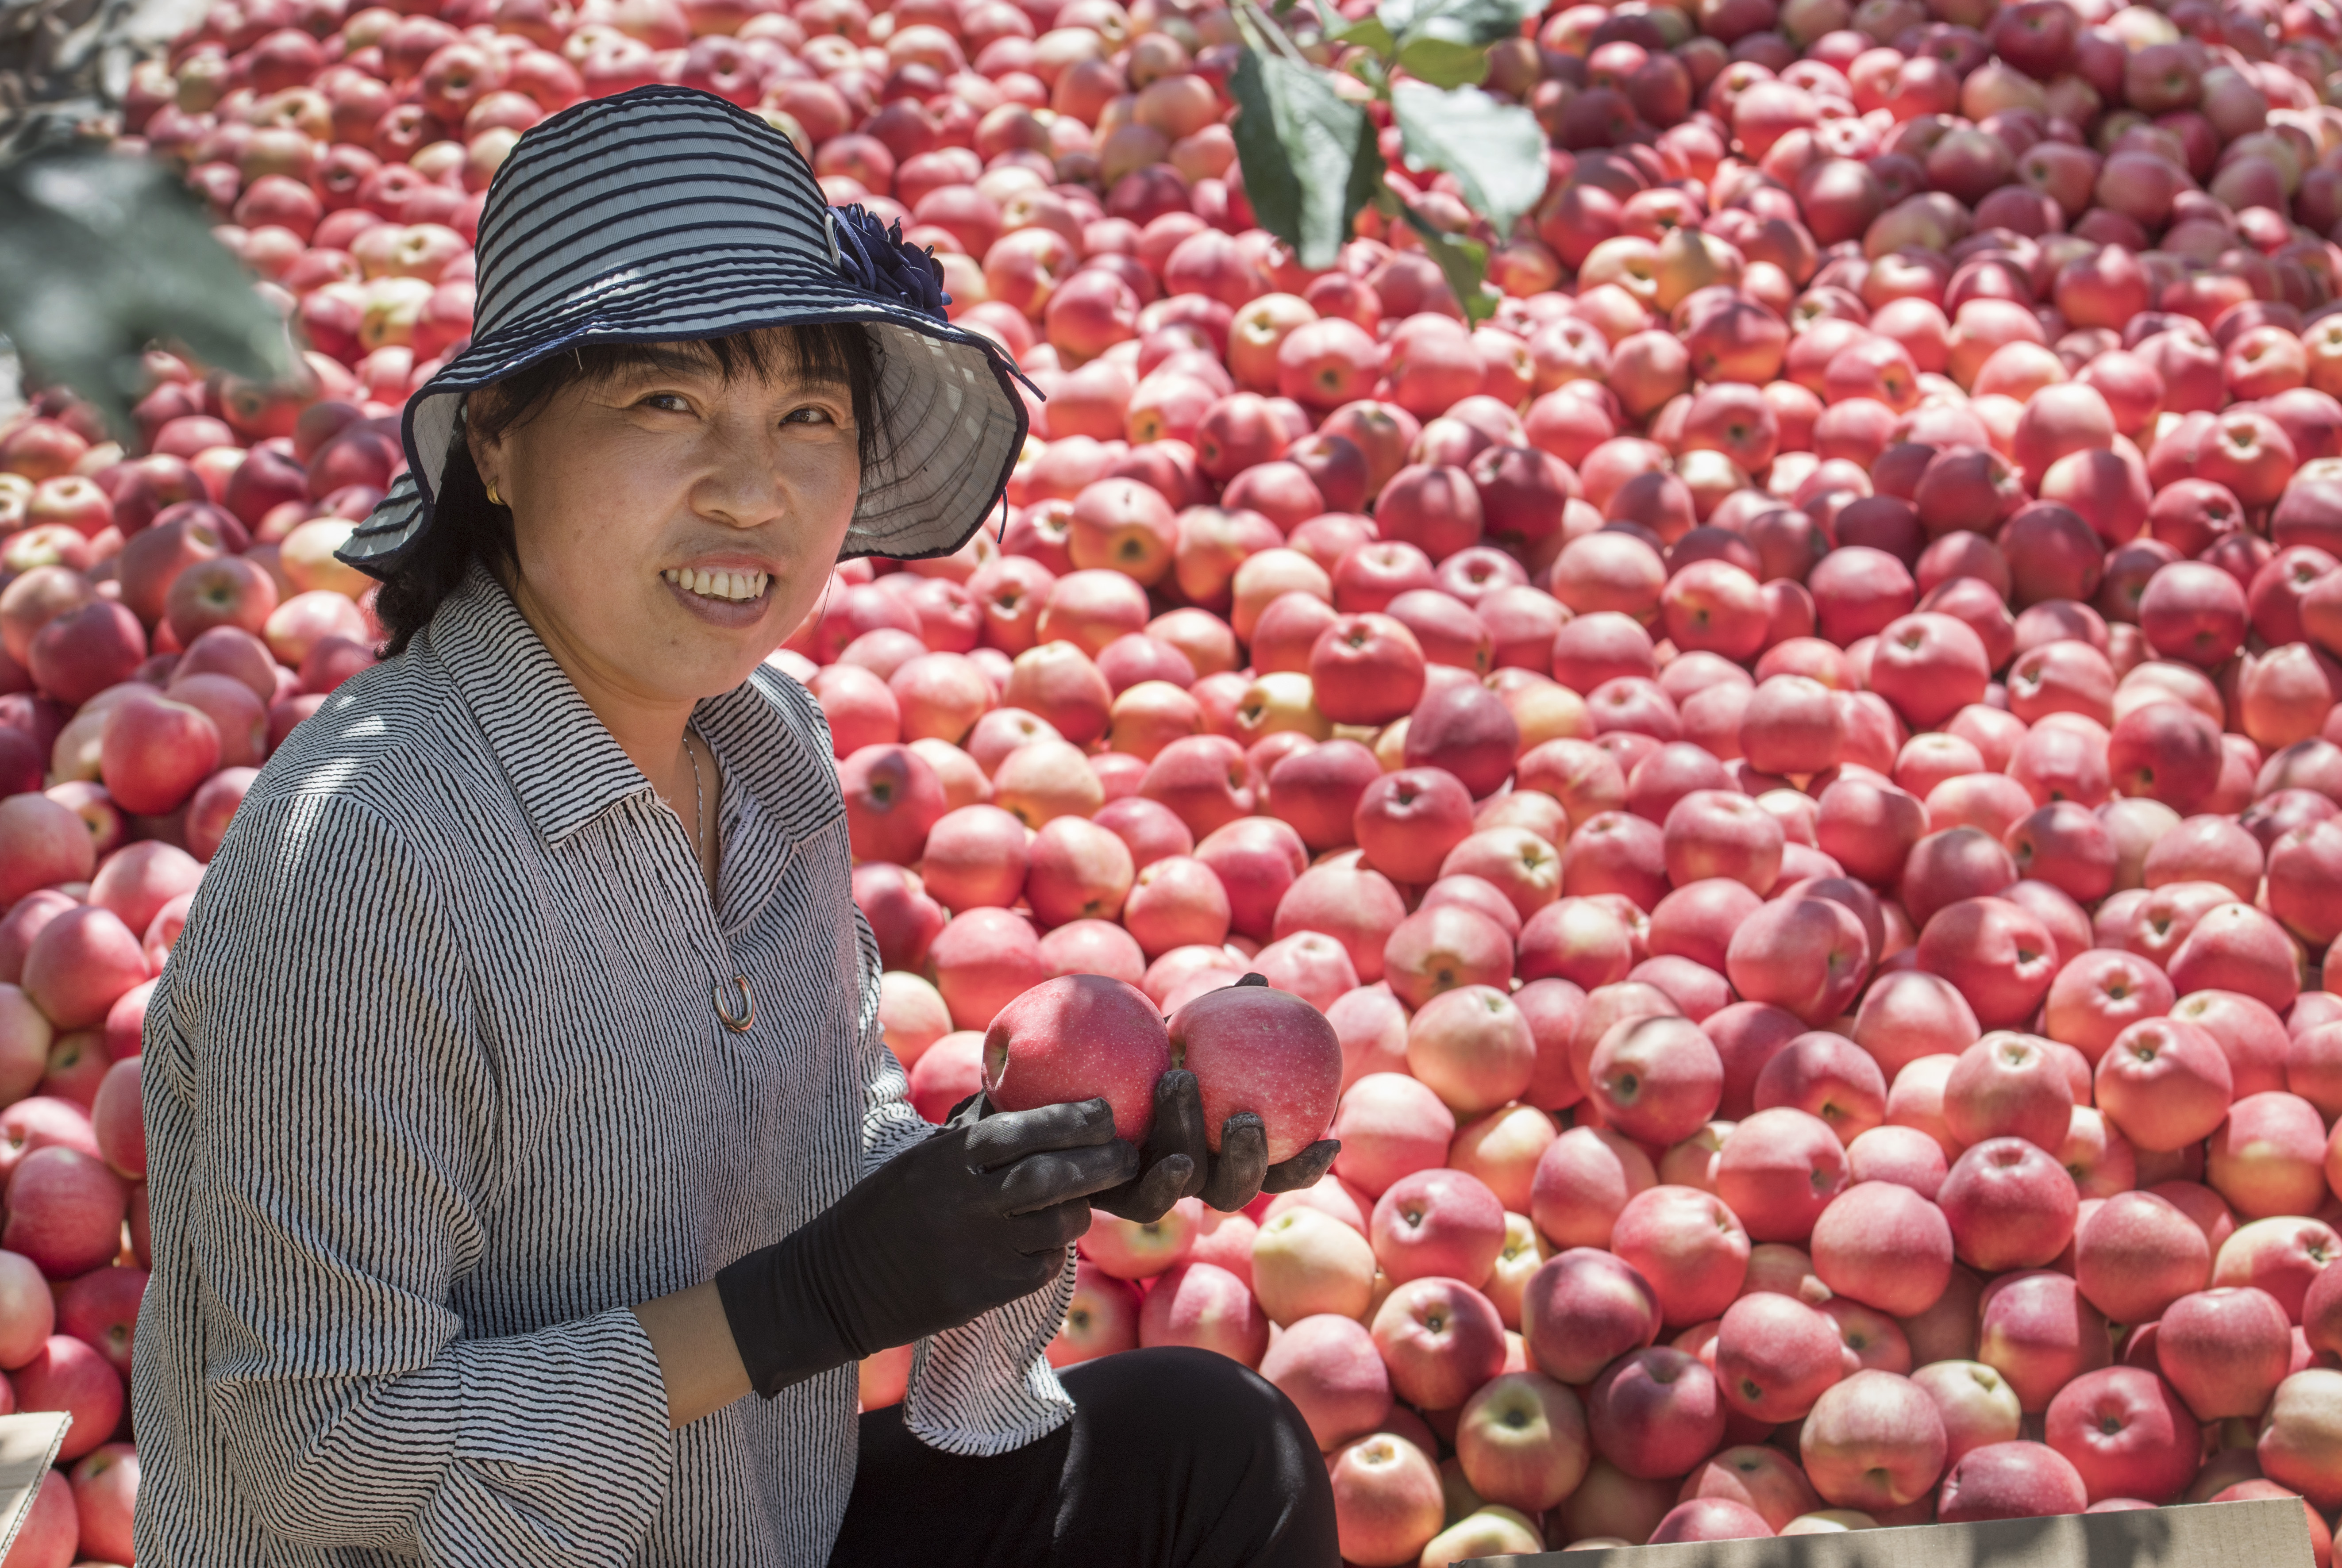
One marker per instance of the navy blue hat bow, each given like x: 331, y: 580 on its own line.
x: 881, y: 260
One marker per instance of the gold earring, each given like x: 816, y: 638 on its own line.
x: 494, y: 499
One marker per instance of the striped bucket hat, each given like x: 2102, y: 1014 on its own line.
x: 665, y: 213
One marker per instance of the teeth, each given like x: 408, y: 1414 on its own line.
x: 738, y: 586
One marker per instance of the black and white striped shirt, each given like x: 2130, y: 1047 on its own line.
x: 435, y: 1089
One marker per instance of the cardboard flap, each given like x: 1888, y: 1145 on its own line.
x: 28, y: 1446
x: 2268, y: 1532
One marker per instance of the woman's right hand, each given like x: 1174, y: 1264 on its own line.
x: 969, y: 1219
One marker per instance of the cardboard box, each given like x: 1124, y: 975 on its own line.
x: 2268, y: 1532
x: 28, y: 1446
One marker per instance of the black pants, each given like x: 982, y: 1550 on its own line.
x: 1174, y: 1459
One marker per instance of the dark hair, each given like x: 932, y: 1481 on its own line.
x: 466, y: 527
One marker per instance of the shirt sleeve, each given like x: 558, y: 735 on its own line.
x: 344, y: 1122
x: 985, y: 1388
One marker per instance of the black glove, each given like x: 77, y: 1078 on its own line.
x: 975, y: 1216
x: 1176, y: 1161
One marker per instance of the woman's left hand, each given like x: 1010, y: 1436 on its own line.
x: 1176, y: 1161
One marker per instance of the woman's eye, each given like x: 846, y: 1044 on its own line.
x: 668, y: 403
x: 808, y: 416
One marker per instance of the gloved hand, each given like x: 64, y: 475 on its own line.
x: 976, y: 1215
x: 1178, y: 1163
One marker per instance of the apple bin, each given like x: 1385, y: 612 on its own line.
x: 1780, y: 758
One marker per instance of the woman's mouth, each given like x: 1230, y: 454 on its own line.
x: 732, y: 587
x: 733, y: 600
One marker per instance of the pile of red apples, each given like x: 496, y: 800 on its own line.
x: 1798, y: 756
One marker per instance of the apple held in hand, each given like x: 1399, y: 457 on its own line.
x: 1254, y: 1048
x: 1079, y: 1037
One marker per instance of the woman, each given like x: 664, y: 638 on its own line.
x: 527, y: 1171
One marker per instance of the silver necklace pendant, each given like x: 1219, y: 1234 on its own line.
x: 746, y: 1019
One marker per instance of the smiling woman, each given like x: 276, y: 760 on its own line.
x: 528, y: 1172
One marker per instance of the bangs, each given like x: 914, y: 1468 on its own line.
x: 832, y: 354
x: 835, y: 353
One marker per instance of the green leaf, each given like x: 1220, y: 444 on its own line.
x: 101, y: 254
x: 1310, y: 156
x: 1430, y: 56
x: 1494, y: 150
x: 1464, y: 263
x: 1474, y: 22
x: 1368, y: 32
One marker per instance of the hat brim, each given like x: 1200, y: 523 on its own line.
x: 951, y: 429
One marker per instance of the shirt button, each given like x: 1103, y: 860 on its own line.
x: 741, y: 1018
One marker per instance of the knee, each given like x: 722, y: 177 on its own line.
x: 1198, y: 1400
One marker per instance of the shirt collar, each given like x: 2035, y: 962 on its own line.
x: 564, y: 766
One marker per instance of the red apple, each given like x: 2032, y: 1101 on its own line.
x: 1438, y: 1223
x: 1873, y: 1441
x: 2281, y: 1256
x: 1389, y: 1126
x: 1807, y: 955
x: 2009, y: 1085
x: 1441, y: 1340
x: 2224, y: 1351
x: 64, y: 1211
x: 1687, y: 1246
x: 1203, y: 1305
x: 1778, y: 1171
x: 1472, y: 1046
x: 1074, y: 1038
x: 1388, y: 1504
x: 1999, y: 956
x: 1975, y: 1402
x: 984, y: 960
x: 1583, y: 1310
x: 1328, y: 1366
x: 2126, y: 1433
x: 2010, y: 1205
x: 1884, y: 1246
x: 2164, y: 1083
x: 27, y: 1309
x: 118, y: 1120
x: 67, y: 1375
x: 101, y: 1310
x: 1583, y: 1180
x: 1134, y: 1249
x: 2136, y: 1254
x: 1656, y: 1413
x: 105, y: 1490
x: 81, y: 962
x: 1522, y: 1442
x: 1828, y: 1076
x: 155, y: 751
x: 1655, y: 1079
x: 1774, y: 1356
x: 1258, y: 1049
x: 2010, y: 1481
x: 1307, y: 1263
x: 2039, y: 1332
x: 892, y: 797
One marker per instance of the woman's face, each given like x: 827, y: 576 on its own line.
x: 672, y: 526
